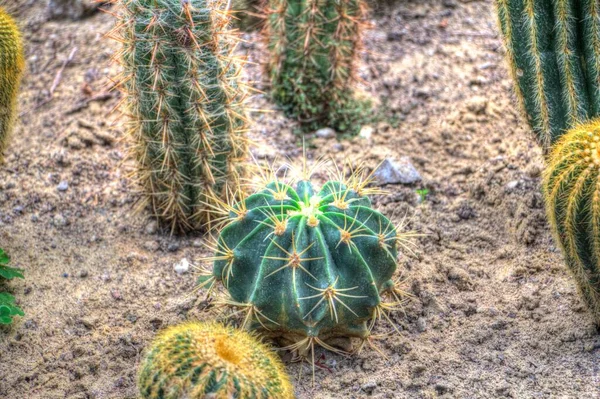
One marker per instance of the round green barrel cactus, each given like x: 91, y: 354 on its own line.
x: 186, y: 106
x: 314, y: 46
x: 12, y: 64
x: 572, y: 191
x: 209, y: 360
x: 308, y: 264
x: 553, y: 48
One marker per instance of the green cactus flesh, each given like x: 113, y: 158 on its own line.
x: 188, y: 121
x: 12, y: 64
x: 553, y: 49
x: 307, y: 264
x: 314, y: 46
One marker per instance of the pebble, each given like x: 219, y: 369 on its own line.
x: 181, y: 267
x: 151, y: 227
x: 173, y: 247
x: 393, y: 172
x: 366, y: 132
x: 325, y: 133
x: 151, y: 246
x: 60, y: 220
x: 63, y: 186
x: 369, y: 387
x: 421, y: 324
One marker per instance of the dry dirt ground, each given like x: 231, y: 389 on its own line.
x: 494, y: 314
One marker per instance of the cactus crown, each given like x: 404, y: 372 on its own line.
x: 553, y: 48
x: 306, y: 264
x: 314, y: 47
x: 12, y: 65
x: 200, y: 360
x: 572, y: 189
x: 186, y: 104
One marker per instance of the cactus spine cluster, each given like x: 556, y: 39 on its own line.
x: 553, y: 48
x: 186, y: 105
x: 307, y: 265
x: 314, y: 46
x: 199, y: 360
x: 12, y: 64
x: 572, y: 191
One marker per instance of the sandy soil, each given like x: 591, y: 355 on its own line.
x: 494, y: 313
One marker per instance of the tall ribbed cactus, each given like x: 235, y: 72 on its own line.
x: 208, y: 360
x: 314, y: 46
x: 187, y: 117
x: 12, y: 64
x: 572, y: 190
x: 305, y: 264
x: 553, y: 48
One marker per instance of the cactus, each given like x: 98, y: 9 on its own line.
x: 188, y: 119
x: 12, y: 64
x: 572, y: 190
x: 200, y: 360
x: 553, y: 49
x: 314, y: 46
x: 308, y: 265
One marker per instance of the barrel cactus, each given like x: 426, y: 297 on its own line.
x: 307, y: 265
x: 186, y: 105
x: 12, y: 64
x: 200, y: 360
x: 553, y: 48
x: 572, y: 191
x: 314, y: 46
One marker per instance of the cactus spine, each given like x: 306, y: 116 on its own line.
x: 187, y: 117
x: 199, y: 360
x: 308, y: 265
x: 12, y: 64
x: 314, y: 46
x: 553, y: 49
x: 572, y: 190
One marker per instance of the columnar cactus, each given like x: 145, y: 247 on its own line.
x: 308, y: 265
x: 314, y: 46
x: 572, y: 190
x: 553, y: 48
x: 12, y: 64
x: 199, y: 360
x: 187, y: 116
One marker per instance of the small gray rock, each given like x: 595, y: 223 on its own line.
x: 325, y: 133
x: 63, y: 186
x: 181, y: 267
x: 397, y: 172
x: 369, y: 387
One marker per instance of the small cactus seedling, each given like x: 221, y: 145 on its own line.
x: 186, y: 105
x: 307, y: 265
x: 553, y: 49
x: 199, y: 360
x: 572, y: 190
x: 12, y: 64
x: 314, y: 46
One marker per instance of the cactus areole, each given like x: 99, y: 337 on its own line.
x: 307, y: 263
